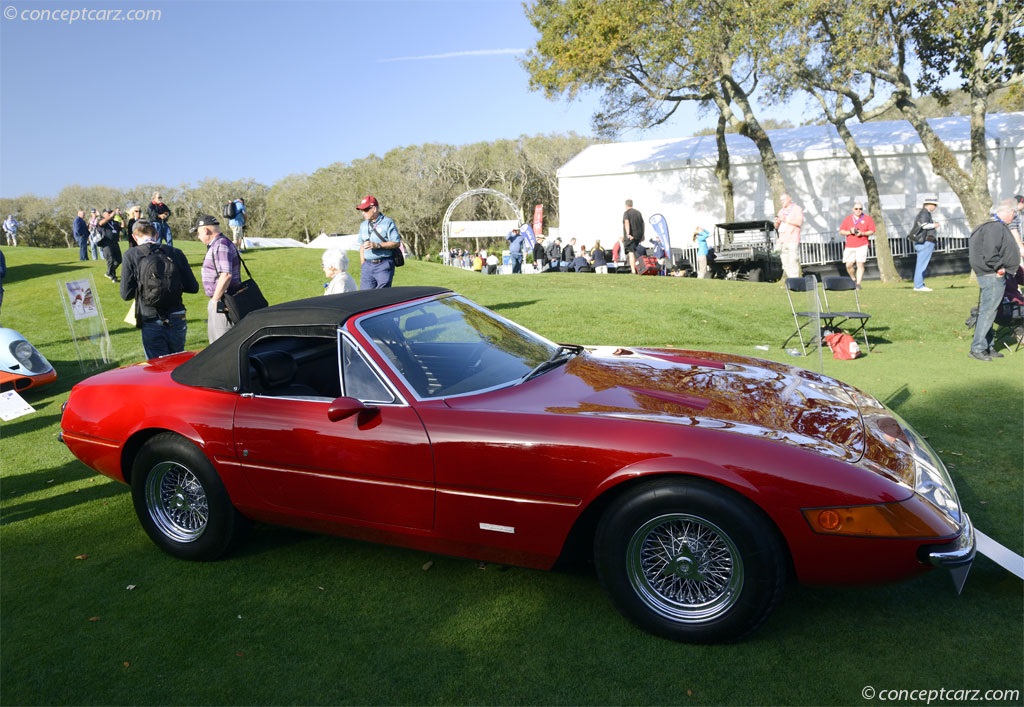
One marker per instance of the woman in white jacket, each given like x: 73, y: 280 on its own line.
x: 335, y: 263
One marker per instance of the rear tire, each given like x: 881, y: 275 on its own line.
x: 690, y: 561
x: 182, y: 503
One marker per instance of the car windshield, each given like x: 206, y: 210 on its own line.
x: 450, y: 346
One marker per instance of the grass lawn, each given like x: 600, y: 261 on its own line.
x: 91, y: 612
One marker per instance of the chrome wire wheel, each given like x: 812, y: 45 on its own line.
x: 176, y: 502
x: 684, y: 568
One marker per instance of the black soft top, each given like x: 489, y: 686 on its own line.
x: 217, y: 366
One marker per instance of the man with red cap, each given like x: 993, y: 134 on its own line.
x: 379, y: 240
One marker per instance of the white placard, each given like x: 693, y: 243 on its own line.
x: 13, y: 406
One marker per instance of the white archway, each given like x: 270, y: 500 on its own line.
x: 446, y: 222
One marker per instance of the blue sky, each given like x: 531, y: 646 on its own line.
x: 260, y: 89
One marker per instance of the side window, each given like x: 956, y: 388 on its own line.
x: 358, y: 379
x: 295, y: 367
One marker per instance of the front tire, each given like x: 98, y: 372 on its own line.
x: 690, y: 561
x: 182, y: 503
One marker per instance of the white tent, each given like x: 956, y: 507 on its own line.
x: 350, y: 242
x: 273, y: 243
x: 675, y: 177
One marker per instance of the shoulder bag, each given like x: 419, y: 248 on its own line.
x: 245, y: 298
x: 396, y: 254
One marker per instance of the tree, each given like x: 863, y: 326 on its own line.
x: 648, y: 57
x: 542, y: 157
x: 981, y: 42
x: 825, y: 57
x: 189, y: 202
x: 290, y: 208
x: 415, y: 185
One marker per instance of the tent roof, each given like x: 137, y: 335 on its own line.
x: 888, y: 137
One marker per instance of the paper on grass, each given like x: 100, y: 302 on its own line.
x: 13, y: 406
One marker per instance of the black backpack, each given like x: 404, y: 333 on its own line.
x: 159, y: 280
x: 230, y: 210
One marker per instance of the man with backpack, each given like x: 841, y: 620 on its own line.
x: 155, y: 276
x: 234, y: 211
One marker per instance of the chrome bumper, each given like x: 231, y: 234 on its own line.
x: 960, y: 552
x: 958, y: 555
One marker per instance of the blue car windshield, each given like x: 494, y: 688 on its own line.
x: 450, y: 346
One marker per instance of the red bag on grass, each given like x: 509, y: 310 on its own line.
x: 844, y: 346
x: 646, y: 265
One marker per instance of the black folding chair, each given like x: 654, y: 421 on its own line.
x: 859, y: 318
x: 808, y: 314
x: 1009, y: 327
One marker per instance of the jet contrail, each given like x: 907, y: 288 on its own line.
x: 455, y: 55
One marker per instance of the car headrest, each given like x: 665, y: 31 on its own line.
x: 420, y: 321
x: 275, y: 368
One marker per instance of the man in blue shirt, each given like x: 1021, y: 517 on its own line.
x: 238, y: 224
x: 378, y: 241
x: 701, y: 235
x: 515, y: 249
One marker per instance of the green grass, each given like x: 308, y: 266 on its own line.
x: 294, y: 618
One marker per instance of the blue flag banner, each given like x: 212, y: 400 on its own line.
x: 660, y: 226
x: 527, y: 230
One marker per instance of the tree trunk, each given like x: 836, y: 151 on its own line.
x: 886, y: 267
x: 750, y: 127
x: 722, y: 171
x: 769, y: 161
x: 972, y: 190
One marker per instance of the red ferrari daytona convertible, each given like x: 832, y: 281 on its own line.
x: 696, y: 482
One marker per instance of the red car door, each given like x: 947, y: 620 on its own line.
x: 376, y: 471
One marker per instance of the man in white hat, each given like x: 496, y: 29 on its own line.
x: 922, y: 234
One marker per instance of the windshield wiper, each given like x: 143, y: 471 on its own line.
x: 563, y: 354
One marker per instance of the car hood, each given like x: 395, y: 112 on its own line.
x: 720, y: 391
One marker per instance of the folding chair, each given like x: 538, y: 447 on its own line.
x: 810, y: 313
x: 1009, y: 327
x: 859, y: 318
